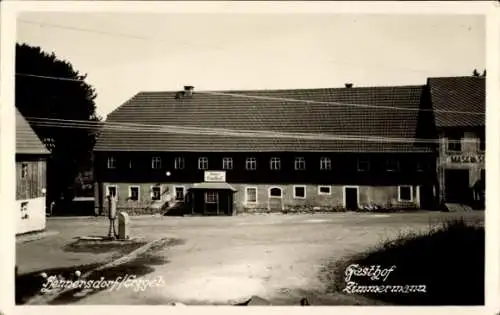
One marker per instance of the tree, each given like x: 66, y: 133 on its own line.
x: 40, y: 97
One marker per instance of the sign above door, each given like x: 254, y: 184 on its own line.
x: 215, y: 176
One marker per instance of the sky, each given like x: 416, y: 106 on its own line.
x: 124, y: 53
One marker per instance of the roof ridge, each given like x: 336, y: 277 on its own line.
x: 293, y: 89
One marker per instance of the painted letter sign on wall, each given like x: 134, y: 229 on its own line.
x: 465, y: 159
x: 212, y: 176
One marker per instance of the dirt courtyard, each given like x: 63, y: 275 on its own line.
x: 225, y: 259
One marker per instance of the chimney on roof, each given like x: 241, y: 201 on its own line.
x: 188, y: 90
x: 348, y: 85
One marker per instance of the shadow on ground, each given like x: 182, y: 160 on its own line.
x: 103, y: 246
x: 449, y: 260
x: 29, y: 285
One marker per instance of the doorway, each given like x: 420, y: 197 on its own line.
x: 457, y: 189
x: 351, y: 197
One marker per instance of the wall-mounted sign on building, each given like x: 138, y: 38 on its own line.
x: 466, y: 159
x: 212, y: 176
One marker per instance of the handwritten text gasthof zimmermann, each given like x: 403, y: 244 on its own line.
x: 376, y: 273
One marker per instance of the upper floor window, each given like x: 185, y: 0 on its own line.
x: 300, y: 163
x: 454, y: 141
x: 251, y: 164
x: 392, y: 165
x: 202, y: 163
x: 275, y: 163
x: 111, y: 162
x: 227, y: 163
x: 325, y: 163
x: 156, y: 162
x: 363, y: 165
x: 179, y: 163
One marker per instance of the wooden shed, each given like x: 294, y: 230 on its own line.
x: 31, y: 166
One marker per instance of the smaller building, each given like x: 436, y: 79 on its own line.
x: 459, y: 110
x: 31, y: 167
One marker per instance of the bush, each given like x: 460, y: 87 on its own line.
x: 449, y: 260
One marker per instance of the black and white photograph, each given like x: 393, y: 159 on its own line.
x: 250, y: 158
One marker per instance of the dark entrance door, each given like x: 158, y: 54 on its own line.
x: 457, y: 189
x: 212, y: 202
x: 351, y: 198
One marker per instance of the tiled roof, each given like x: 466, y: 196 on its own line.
x: 27, y: 142
x: 465, y: 94
x: 241, y: 113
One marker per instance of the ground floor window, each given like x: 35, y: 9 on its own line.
x: 405, y: 193
x: 324, y: 190
x: 251, y: 195
x: 133, y: 193
x: 156, y: 193
x: 179, y: 193
x: 275, y: 192
x: 111, y: 191
x: 299, y: 192
x: 211, y: 197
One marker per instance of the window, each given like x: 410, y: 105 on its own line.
x: 179, y: 163
x: 202, y: 163
x: 250, y: 195
x: 227, y: 163
x: 133, y: 193
x: 275, y: 192
x: 24, y: 210
x: 111, y: 191
x: 300, y: 163
x: 251, y: 164
x: 454, y: 141
x: 111, y: 162
x: 156, y: 162
x: 363, y: 165
x: 156, y: 193
x: 211, y: 197
x: 179, y: 193
x: 275, y: 163
x: 482, y: 142
x: 405, y: 193
x: 24, y: 170
x: 324, y: 190
x: 392, y: 165
x: 325, y: 163
x: 299, y: 192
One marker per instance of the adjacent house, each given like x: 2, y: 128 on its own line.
x: 31, y: 157
x: 368, y: 146
x: 459, y: 110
